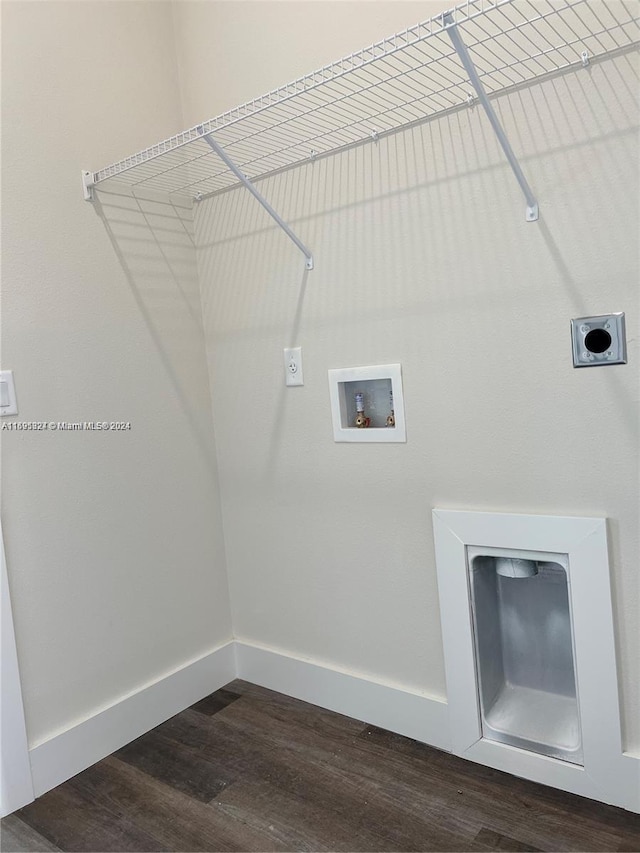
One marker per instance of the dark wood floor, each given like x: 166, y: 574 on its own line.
x: 247, y: 769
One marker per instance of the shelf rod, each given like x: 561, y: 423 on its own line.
x: 469, y: 67
x: 259, y: 197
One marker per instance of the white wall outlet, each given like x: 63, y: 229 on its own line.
x: 293, y: 366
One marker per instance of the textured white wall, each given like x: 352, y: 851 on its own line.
x: 230, y: 51
x: 114, y: 543
x: 422, y: 257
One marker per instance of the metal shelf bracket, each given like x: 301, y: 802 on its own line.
x: 469, y: 67
x: 88, y: 184
x: 258, y: 196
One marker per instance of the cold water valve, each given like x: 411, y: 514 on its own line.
x: 362, y: 421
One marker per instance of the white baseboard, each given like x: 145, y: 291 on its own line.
x: 398, y: 710
x: 404, y: 712
x: 64, y: 755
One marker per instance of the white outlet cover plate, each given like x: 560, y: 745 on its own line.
x: 293, y: 366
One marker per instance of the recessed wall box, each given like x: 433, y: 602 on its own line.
x: 529, y: 649
x: 367, y: 404
x: 597, y: 341
x: 523, y: 643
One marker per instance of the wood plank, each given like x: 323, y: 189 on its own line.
x: 235, y: 758
x: 193, y: 774
x: 295, y: 823
x: 304, y: 713
x: 339, y: 798
x: 495, y: 841
x: 215, y: 702
x: 69, y: 819
x: 326, y: 771
x: 178, y: 821
x: 308, y: 819
x: 18, y: 837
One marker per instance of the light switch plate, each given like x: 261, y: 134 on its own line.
x: 7, y: 394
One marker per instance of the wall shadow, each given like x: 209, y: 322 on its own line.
x: 153, y: 241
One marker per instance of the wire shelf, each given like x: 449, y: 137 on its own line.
x: 396, y: 83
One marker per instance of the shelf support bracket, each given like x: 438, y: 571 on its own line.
x: 469, y: 67
x: 259, y: 197
x: 87, y: 185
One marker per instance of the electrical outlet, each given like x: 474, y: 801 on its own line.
x: 293, y: 366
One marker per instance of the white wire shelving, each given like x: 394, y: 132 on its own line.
x: 392, y: 85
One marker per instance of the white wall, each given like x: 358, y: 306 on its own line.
x: 422, y: 256
x: 230, y: 51
x: 114, y: 541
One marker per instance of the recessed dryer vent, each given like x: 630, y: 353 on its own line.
x: 524, y: 651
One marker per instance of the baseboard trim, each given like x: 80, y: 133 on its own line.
x: 402, y: 711
x: 64, y: 755
x: 399, y: 710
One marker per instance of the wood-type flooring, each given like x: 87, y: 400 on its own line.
x: 247, y: 769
